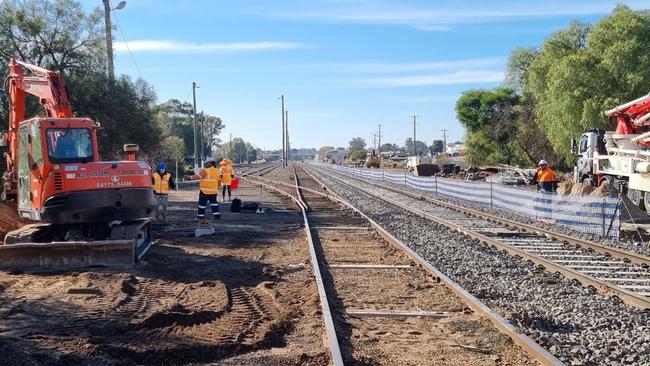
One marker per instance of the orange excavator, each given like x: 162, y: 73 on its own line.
x: 86, y: 212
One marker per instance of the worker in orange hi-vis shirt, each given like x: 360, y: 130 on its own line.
x: 226, y: 175
x: 545, y: 177
x: 209, y: 189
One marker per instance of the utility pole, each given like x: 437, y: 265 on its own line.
x: 201, y: 127
x: 415, y: 149
x: 109, y: 40
x: 109, y: 36
x: 379, y: 138
x: 230, y: 147
x: 196, y: 149
x: 444, y: 141
x: 284, y: 162
x: 286, y: 129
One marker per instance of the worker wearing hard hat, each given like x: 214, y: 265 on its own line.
x: 226, y: 174
x: 162, y: 182
x: 209, y: 189
x: 545, y: 177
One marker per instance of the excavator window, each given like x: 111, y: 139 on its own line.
x: 69, y: 145
x: 37, y: 146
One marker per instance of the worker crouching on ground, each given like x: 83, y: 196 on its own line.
x: 545, y: 178
x: 226, y: 175
x: 162, y: 181
x: 209, y: 189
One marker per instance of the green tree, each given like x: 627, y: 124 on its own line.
x: 388, y: 147
x: 357, y: 143
x: 437, y: 146
x: 357, y: 155
x: 491, y: 115
x: 125, y: 115
x: 529, y: 137
x: 57, y: 35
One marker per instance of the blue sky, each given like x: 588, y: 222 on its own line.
x: 344, y: 66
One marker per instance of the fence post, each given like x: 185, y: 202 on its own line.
x: 435, y: 178
x: 491, y: 199
x: 602, y: 212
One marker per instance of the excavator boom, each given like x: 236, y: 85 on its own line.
x: 88, y: 212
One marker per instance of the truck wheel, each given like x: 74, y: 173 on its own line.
x: 588, y: 182
x: 637, y: 197
x: 646, y: 201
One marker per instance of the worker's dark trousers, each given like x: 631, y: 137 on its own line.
x: 223, y: 191
x: 548, y: 187
x: 203, y: 203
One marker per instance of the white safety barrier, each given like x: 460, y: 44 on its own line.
x: 588, y: 214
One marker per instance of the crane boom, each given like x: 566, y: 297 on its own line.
x: 631, y: 116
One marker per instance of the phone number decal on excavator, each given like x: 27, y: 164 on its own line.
x: 114, y: 184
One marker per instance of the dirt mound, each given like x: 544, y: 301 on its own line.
x: 564, y: 188
x: 9, y: 219
x: 581, y: 189
x: 604, y: 190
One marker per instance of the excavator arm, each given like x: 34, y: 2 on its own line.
x: 44, y: 84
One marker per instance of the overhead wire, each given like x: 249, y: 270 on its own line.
x: 119, y: 27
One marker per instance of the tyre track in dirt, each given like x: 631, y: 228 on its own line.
x: 191, y: 300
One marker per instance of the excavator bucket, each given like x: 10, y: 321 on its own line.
x: 67, y: 255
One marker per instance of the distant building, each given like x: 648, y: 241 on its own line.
x: 455, y: 148
x: 339, y: 154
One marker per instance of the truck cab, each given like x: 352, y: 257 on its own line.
x: 590, y: 145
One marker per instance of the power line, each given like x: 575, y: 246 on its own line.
x: 117, y: 21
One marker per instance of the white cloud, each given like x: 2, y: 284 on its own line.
x: 177, y: 47
x: 458, y: 77
x: 402, y: 67
x: 444, y: 14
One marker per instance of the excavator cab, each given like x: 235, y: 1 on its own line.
x: 87, y: 212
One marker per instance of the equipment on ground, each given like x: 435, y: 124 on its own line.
x: 620, y: 158
x: 422, y: 166
x: 91, y: 212
x: 373, y: 160
x: 235, y: 205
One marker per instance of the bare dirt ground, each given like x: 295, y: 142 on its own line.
x: 9, y: 219
x: 243, y: 296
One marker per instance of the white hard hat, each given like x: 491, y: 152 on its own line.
x: 543, y: 162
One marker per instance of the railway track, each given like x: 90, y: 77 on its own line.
x: 364, y: 274
x: 573, y: 322
x: 258, y: 171
x: 609, y: 270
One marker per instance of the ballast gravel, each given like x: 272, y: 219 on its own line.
x: 573, y: 322
x: 631, y: 246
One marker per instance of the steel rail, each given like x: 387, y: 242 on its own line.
x: 587, y: 244
x: 530, y: 346
x: 629, y: 297
x: 330, y: 330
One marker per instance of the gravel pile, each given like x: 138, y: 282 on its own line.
x: 631, y: 246
x: 573, y: 322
